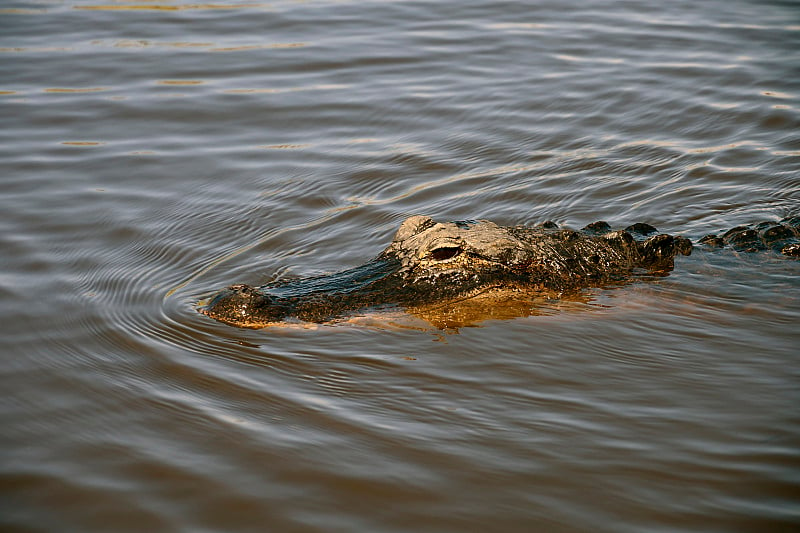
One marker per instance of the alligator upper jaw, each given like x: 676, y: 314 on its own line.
x: 314, y: 299
x: 243, y: 306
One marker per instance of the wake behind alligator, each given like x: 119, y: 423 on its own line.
x: 432, y: 262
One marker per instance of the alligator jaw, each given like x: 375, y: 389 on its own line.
x: 243, y: 306
x: 313, y: 299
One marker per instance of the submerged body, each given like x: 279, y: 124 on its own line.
x: 431, y: 262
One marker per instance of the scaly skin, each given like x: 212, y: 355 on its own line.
x: 430, y: 262
x: 782, y: 237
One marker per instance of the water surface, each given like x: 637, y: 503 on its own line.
x: 153, y: 152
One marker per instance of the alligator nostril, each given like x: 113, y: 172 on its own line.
x: 241, y: 288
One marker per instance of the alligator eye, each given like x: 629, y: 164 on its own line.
x: 444, y: 253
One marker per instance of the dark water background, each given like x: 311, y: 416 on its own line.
x: 153, y: 152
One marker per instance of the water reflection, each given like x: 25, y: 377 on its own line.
x: 501, y: 304
x: 167, y: 7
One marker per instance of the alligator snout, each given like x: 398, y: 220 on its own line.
x: 242, y: 289
x: 240, y: 304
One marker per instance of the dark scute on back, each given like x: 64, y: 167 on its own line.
x: 641, y: 228
x: 782, y: 237
x: 597, y: 228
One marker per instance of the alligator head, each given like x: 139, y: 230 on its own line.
x: 430, y: 261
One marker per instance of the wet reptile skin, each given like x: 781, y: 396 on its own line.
x: 429, y: 261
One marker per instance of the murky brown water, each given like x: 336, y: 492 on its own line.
x: 153, y: 152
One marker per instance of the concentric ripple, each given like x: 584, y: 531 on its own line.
x: 153, y: 152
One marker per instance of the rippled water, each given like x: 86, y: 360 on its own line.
x: 153, y: 152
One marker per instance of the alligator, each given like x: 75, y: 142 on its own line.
x: 430, y: 262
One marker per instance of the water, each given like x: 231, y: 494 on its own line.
x: 152, y: 153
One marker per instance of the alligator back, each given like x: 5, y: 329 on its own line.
x: 782, y: 237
